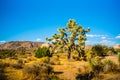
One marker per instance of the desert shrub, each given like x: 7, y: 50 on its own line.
x: 55, y: 60
x: 75, y: 55
x: 45, y: 60
x: 42, y: 52
x: 14, y: 57
x: 2, y: 73
x: 100, y: 50
x: 51, y: 60
x: 109, y: 66
x: 4, y: 64
x: 119, y: 58
x: 4, y: 53
x: 19, y: 64
x: 89, y: 54
x: 21, y: 50
x: 96, y: 65
x: 86, y: 76
x: 53, y: 77
x: 37, y: 71
x: 111, y: 51
x: 20, y: 61
x: 117, y: 50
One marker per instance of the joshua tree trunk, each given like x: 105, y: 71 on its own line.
x: 78, y: 50
x: 69, y: 53
x: 81, y: 53
x: 78, y: 54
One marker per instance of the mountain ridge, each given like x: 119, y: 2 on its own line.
x: 18, y: 44
x: 33, y: 45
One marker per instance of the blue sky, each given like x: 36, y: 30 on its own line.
x: 34, y: 20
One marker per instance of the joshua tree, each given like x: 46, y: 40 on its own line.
x: 72, y: 37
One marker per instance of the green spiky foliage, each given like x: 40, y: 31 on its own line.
x: 96, y: 65
x: 71, y: 38
x: 119, y: 58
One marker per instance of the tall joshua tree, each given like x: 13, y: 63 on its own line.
x: 72, y: 37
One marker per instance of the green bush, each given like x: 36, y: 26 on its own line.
x: 100, y: 50
x: 43, y: 52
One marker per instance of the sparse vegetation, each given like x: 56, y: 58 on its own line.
x: 43, y: 52
x: 37, y: 71
x: 4, y: 53
x: 109, y: 66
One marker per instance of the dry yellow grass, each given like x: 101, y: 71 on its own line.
x: 113, y: 58
x: 66, y: 70
x: 13, y: 74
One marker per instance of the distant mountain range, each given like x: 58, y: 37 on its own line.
x: 18, y: 44
x: 32, y: 45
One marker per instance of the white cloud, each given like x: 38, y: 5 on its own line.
x: 38, y: 39
x: 94, y: 35
x: 103, y: 37
x: 118, y: 37
x: 87, y: 41
x: 3, y: 41
x: 107, y: 42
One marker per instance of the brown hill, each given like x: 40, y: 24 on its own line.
x: 18, y: 44
x: 88, y: 47
x: 117, y: 46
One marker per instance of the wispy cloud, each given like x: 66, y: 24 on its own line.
x: 94, y: 35
x: 87, y: 41
x: 118, y: 37
x: 38, y: 39
x: 107, y: 42
x: 103, y: 37
x: 3, y: 41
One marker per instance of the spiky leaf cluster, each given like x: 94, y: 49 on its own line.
x: 71, y: 38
